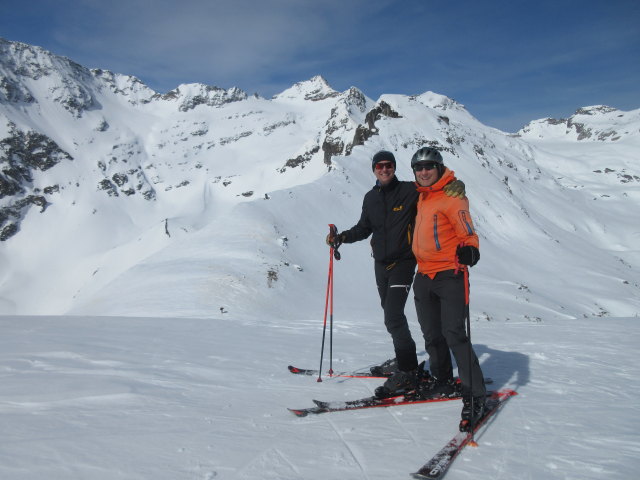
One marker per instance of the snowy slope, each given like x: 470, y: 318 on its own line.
x: 141, y: 398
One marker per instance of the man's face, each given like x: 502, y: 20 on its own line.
x: 384, y: 172
x: 426, y: 173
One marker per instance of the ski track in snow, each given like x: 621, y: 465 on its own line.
x: 94, y: 398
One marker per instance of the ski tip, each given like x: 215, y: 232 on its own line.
x: 293, y: 369
x: 298, y: 412
x: 506, y: 392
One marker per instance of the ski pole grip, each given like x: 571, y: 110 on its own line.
x: 333, y: 234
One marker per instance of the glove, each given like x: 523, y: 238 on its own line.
x: 455, y: 189
x: 468, y: 255
x: 335, y: 242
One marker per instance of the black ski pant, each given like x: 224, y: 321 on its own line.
x: 442, y: 310
x: 394, y: 282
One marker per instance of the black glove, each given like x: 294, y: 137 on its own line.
x: 468, y: 255
x: 336, y: 241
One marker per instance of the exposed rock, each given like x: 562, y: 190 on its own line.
x: 14, y: 92
x: 331, y: 147
x: 363, y: 133
x: 300, y: 160
x: 382, y: 109
x: 595, y: 110
x: 11, y: 216
x: 192, y: 95
x: 108, y: 187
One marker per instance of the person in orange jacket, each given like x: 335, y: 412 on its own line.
x: 444, y: 244
x: 388, y: 215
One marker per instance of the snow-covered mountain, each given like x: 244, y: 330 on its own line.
x: 206, y: 202
x: 118, y: 200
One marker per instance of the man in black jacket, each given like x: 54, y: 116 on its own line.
x: 388, y: 212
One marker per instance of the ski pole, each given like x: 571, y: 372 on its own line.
x: 335, y: 243
x: 472, y: 441
x: 331, y: 320
x: 328, y: 305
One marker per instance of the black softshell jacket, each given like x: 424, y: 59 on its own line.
x: 388, y: 213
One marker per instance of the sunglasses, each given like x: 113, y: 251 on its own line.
x: 426, y: 166
x: 381, y: 165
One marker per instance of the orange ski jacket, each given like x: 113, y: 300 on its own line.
x: 442, y: 223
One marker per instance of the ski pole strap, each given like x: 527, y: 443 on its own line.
x: 466, y: 287
x: 333, y: 234
x: 459, y: 266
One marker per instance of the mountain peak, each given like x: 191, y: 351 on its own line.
x: 314, y: 89
x: 193, y: 94
x: 436, y: 100
x: 595, y: 110
x: 595, y: 123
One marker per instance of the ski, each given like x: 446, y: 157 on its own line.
x: 441, y: 461
x: 368, y: 402
x: 310, y: 372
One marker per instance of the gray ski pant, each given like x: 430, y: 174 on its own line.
x: 441, y: 309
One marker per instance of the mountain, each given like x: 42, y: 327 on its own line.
x: 205, y: 201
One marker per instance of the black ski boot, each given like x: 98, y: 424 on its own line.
x: 471, y: 416
x: 387, y: 369
x: 437, y: 388
x: 398, y: 384
x: 424, y: 376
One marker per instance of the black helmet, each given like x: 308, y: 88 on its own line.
x: 427, y: 154
x: 381, y: 156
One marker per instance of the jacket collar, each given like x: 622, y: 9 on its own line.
x: 390, y: 186
x: 447, y: 176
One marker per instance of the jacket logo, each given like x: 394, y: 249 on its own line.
x: 398, y: 209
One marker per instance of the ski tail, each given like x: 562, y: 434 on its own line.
x: 435, y: 468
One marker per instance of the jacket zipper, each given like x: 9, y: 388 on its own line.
x: 435, y: 231
x: 466, y: 223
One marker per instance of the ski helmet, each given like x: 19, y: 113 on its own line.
x: 381, y: 156
x: 427, y: 154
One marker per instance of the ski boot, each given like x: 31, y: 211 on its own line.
x: 471, y: 415
x: 436, y: 388
x: 386, y: 369
x: 398, y: 384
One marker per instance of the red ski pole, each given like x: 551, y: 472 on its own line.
x: 328, y: 303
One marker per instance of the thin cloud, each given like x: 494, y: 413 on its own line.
x: 493, y: 57
x: 228, y: 40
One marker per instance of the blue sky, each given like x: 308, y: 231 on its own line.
x: 508, y: 62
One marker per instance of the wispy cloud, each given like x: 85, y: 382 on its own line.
x: 226, y: 40
x: 492, y: 56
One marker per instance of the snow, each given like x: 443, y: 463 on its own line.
x: 149, y: 339
x: 167, y: 398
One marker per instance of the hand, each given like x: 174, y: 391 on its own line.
x: 468, y: 255
x: 334, y: 242
x: 455, y: 189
